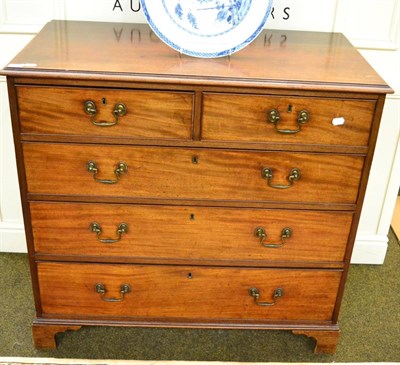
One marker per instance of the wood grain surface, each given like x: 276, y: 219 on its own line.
x: 170, y: 173
x: 239, y: 118
x: 132, y: 52
x: 150, y: 114
x: 189, y: 233
x: 187, y: 292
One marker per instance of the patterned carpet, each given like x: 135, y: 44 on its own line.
x: 45, y: 361
x: 54, y: 361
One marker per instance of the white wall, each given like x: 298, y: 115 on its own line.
x: 371, y: 25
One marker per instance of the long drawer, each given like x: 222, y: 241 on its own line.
x: 163, y: 173
x: 252, y: 236
x: 91, y: 112
x: 186, y: 292
x: 250, y: 118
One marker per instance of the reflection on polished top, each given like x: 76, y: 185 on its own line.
x: 206, y: 18
x: 132, y: 52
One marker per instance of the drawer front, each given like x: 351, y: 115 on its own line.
x: 186, y: 292
x: 245, y: 118
x: 183, y: 233
x: 149, y: 114
x: 171, y: 173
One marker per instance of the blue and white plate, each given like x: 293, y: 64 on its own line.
x: 207, y: 28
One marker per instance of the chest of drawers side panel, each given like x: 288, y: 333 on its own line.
x: 360, y: 198
x: 13, y: 101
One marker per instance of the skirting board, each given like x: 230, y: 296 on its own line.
x: 368, y: 249
x: 12, y: 237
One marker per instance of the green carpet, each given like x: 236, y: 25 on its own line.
x: 370, y: 326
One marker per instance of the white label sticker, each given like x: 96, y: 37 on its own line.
x: 21, y: 65
x: 338, y: 121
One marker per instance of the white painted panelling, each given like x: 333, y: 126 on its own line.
x: 383, y: 185
x: 392, y: 189
x: 384, y: 178
x: 381, y: 169
x: 9, y: 189
x: 12, y: 234
x: 27, y: 11
x: 104, y: 10
x: 10, y: 45
x: 372, y: 24
x: 353, y: 17
x: 387, y: 64
x: 312, y: 15
x: 28, y: 16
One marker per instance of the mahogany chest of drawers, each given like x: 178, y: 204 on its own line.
x: 164, y: 190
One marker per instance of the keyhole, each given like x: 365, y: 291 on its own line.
x: 104, y: 101
x: 290, y: 108
x: 192, y: 217
x: 195, y: 159
x: 190, y: 276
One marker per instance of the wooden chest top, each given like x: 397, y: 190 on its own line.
x: 276, y: 59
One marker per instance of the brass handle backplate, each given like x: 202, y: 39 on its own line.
x: 262, y: 235
x: 101, y: 289
x: 96, y: 228
x: 294, y: 175
x: 91, y: 110
x: 121, y: 169
x: 302, y: 118
x: 255, y: 293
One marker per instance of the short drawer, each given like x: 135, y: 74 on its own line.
x: 187, y: 292
x: 174, y: 173
x: 246, y: 118
x: 64, y: 111
x: 156, y: 233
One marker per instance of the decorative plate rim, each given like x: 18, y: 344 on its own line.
x: 225, y: 51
